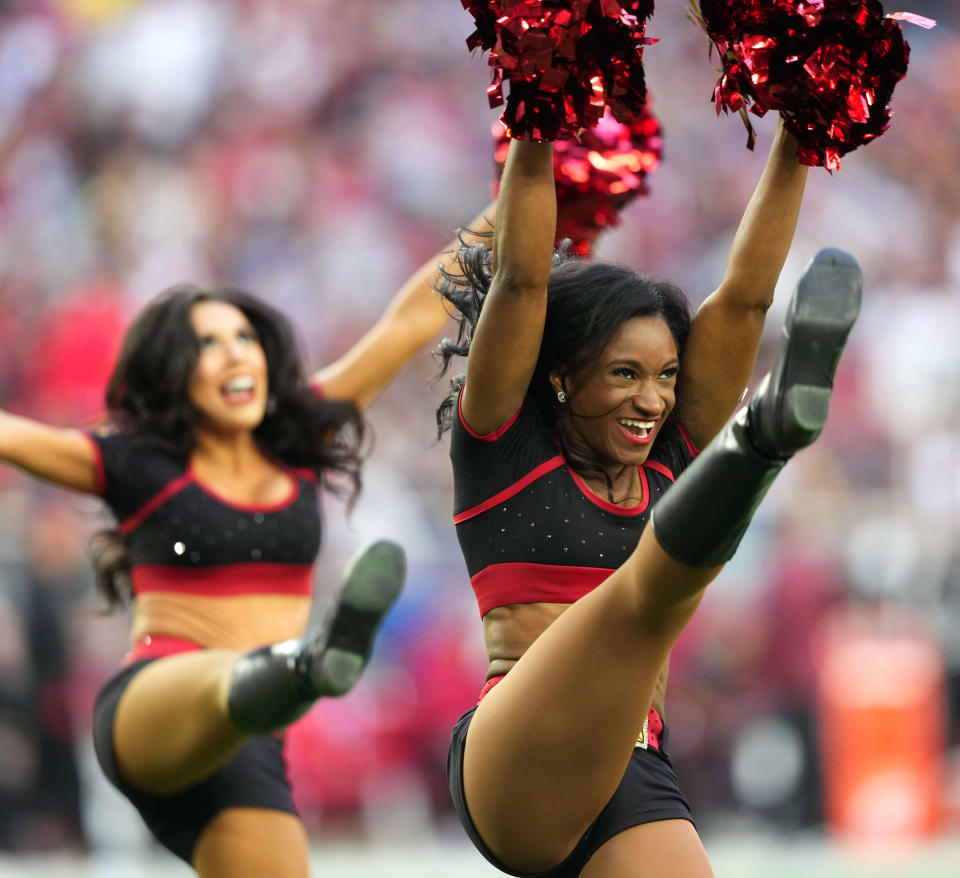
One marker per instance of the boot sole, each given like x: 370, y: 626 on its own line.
x: 372, y: 585
x: 821, y: 315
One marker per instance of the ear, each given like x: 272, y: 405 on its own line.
x: 557, y: 381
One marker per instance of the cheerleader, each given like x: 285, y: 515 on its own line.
x: 218, y: 445
x: 588, y: 392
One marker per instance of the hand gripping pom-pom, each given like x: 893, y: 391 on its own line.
x: 829, y: 67
x: 564, y: 61
x: 597, y: 174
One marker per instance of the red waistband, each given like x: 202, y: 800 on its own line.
x: 488, y: 686
x: 650, y: 735
x: 225, y: 580
x: 155, y: 646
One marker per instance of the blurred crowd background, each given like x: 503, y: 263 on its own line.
x: 316, y: 152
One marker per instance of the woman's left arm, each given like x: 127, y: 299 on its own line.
x: 415, y: 315
x: 725, y: 335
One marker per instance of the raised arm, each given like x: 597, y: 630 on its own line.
x: 725, y: 335
x: 506, y: 341
x: 414, y: 317
x: 65, y: 457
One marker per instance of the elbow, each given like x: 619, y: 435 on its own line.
x: 740, y: 294
x: 762, y: 303
x: 520, y: 283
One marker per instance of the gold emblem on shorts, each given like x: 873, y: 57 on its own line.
x: 642, y: 737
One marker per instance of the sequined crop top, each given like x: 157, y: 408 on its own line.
x: 184, y: 538
x: 529, y: 528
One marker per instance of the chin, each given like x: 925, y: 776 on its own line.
x: 237, y: 423
x: 634, y: 455
x: 638, y: 457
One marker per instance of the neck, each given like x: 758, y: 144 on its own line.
x: 614, y: 481
x: 617, y: 484
x: 228, y: 450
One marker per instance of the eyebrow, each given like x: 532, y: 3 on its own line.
x: 635, y: 364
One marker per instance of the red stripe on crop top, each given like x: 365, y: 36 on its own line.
x: 660, y: 468
x: 511, y: 491
x: 525, y: 583
x: 225, y: 580
x: 691, y: 447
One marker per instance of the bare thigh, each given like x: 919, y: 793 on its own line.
x: 171, y: 728
x: 668, y: 848
x: 252, y: 843
x: 548, y: 746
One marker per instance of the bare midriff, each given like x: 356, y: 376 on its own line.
x: 509, y: 631
x: 239, y: 622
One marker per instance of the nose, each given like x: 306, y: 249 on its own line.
x: 235, y: 350
x: 647, y: 400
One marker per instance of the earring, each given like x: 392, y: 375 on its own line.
x: 271, y: 404
x: 562, y: 396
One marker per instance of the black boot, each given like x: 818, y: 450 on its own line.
x: 275, y: 685
x: 702, y: 518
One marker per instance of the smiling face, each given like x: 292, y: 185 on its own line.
x: 618, y: 404
x: 229, y: 383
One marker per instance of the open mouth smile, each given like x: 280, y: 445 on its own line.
x: 636, y: 431
x: 239, y: 390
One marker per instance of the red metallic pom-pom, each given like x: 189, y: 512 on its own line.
x: 597, y: 174
x: 565, y: 61
x: 828, y: 66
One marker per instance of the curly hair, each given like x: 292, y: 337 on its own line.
x: 148, y: 400
x: 587, y: 303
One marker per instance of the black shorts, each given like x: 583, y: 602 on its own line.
x: 256, y: 777
x: 648, y: 792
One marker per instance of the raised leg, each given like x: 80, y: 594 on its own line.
x: 273, y: 686
x: 787, y: 413
x: 183, y: 716
x: 548, y: 746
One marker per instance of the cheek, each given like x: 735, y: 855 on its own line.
x: 203, y: 380
x: 597, y: 396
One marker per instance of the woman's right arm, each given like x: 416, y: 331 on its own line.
x: 65, y: 457
x: 506, y: 342
x: 414, y: 316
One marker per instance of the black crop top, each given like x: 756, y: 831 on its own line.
x: 182, y: 537
x: 529, y: 528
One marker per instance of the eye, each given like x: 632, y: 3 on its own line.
x: 625, y: 372
x: 205, y: 341
x: 672, y: 372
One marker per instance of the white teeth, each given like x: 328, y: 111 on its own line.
x: 239, y: 384
x: 641, y: 429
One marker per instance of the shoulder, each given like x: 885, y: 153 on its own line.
x: 131, y: 470
x: 525, y: 425
x: 120, y: 447
x: 483, y: 466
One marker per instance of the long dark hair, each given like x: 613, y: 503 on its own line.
x: 148, y: 400
x: 587, y: 303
